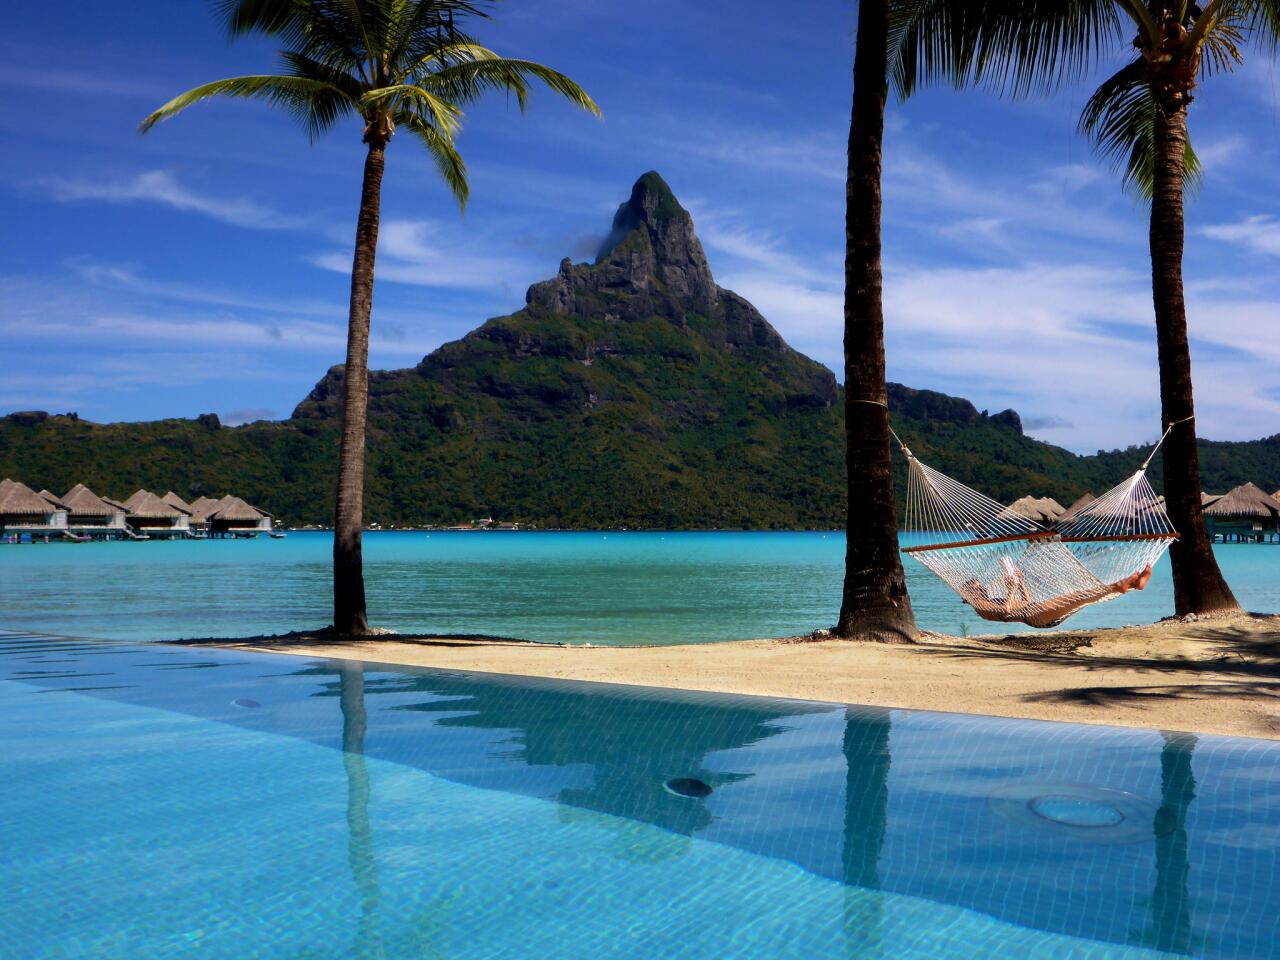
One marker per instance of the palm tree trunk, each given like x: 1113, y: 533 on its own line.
x: 349, y: 614
x: 875, y: 605
x: 1198, y: 585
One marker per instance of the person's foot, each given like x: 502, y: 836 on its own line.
x: 1143, y: 578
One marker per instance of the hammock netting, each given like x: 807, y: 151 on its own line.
x: 1010, y: 568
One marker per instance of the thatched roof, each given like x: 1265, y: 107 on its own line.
x: 201, y: 507
x: 144, y: 503
x: 115, y: 503
x: 1037, y: 509
x: 173, y: 500
x: 1079, y: 504
x: 1208, y: 498
x: 233, y: 509
x: 1246, y: 500
x: 83, y: 502
x: 17, y: 499
x: 53, y: 500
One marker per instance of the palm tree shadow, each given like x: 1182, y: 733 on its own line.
x: 1243, y: 661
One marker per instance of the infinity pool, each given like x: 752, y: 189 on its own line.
x: 161, y: 802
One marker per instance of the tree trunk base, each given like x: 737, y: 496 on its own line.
x: 873, y: 632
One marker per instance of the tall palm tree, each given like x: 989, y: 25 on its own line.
x: 874, y: 605
x: 1138, y: 119
x: 393, y: 65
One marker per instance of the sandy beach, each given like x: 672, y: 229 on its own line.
x: 1218, y: 675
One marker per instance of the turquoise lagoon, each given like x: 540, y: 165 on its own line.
x: 604, y: 588
x: 167, y: 802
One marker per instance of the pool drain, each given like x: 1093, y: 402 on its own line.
x: 688, y: 787
x: 1078, y: 811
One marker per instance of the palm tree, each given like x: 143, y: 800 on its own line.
x: 874, y: 605
x: 1138, y: 119
x: 394, y: 65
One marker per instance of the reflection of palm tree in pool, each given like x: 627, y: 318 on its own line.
x: 631, y: 743
x: 866, y: 811
x: 364, y: 869
x: 1170, y: 899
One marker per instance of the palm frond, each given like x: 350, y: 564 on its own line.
x: 430, y: 24
x: 438, y: 111
x: 1221, y: 43
x: 271, y: 17
x: 1120, y: 119
x: 469, y: 81
x: 458, y: 50
x: 310, y: 100
x: 1015, y: 47
x: 1264, y: 25
x: 441, y: 147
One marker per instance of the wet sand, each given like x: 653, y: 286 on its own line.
x: 1217, y: 675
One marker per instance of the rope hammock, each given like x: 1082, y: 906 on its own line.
x: 1012, y: 569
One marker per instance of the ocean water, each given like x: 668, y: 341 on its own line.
x: 602, y: 588
x: 163, y: 802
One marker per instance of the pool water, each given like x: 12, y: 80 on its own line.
x: 614, y: 589
x: 163, y: 801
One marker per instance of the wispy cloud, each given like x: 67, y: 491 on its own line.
x: 425, y: 253
x: 1258, y: 233
x: 81, y: 82
x: 162, y: 188
x: 32, y: 312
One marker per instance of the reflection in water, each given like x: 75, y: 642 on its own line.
x: 866, y: 810
x: 364, y: 869
x: 1171, y: 900
x: 627, y: 745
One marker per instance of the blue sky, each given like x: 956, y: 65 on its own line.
x: 201, y: 268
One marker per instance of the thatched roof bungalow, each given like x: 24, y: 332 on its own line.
x: 22, y: 510
x: 1248, y: 511
x: 173, y: 500
x: 1076, y: 506
x: 201, y: 508
x: 92, y: 514
x: 233, y: 516
x: 148, y: 512
x: 1043, y: 510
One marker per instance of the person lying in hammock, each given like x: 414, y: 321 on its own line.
x: 1018, y: 606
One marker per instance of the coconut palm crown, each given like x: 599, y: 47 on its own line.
x: 394, y: 65
x: 1137, y: 119
x: 1023, y: 46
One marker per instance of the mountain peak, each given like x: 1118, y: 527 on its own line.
x: 651, y: 255
x: 651, y: 203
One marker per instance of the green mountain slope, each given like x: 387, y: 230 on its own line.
x: 629, y: 391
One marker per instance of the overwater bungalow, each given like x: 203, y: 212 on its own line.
x: 150, y: 515
x: 25, y: 512
x: 1044, y: 510
x: 233, y: 517
x: 1077, y: 505
x: 1246, y: 514
x: 93, y: 516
